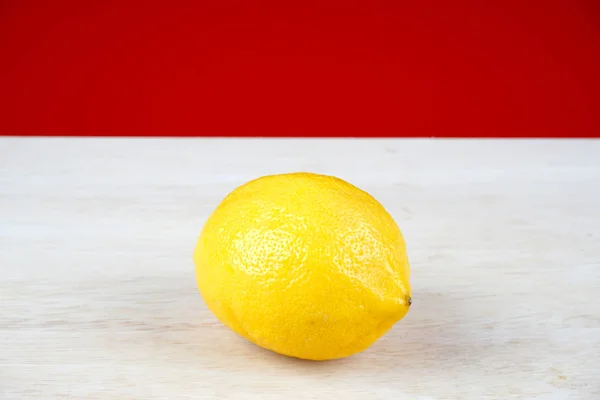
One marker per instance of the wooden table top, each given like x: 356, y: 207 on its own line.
x: 98, y: 297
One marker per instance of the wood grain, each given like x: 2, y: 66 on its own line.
x: 98, y: 298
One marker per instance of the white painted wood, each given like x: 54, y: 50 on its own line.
x: 98, y: 298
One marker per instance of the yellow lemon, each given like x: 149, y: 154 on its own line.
x: 305, y: 265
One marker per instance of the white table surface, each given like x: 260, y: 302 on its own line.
x: 98, y: 297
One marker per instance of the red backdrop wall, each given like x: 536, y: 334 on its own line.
x: 308, y: 68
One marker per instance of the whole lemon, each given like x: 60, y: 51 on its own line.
x: 305, y: 265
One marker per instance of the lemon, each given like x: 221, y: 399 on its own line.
x: 305, y: 265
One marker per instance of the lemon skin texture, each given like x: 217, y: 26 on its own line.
x: 305, y: 265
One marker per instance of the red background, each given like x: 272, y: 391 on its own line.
x: 306, y: 68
